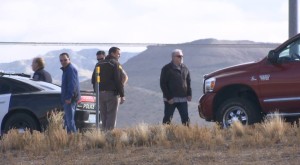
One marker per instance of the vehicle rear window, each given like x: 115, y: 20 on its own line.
x: 47, y: 86
x: 41, y: 85
x: 14, y: 86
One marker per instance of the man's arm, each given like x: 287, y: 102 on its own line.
x: 164, y: 84
x: 118, y: 78
x: 71, y: 83
x: 189, y: 89
x: 124, y: 77
x: 93, y: 79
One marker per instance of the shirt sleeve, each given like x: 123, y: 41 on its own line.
x: 164, y: 84
x: 118, y: 77
x: 71, y: 84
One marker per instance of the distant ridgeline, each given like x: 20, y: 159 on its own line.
x: 84, y: 60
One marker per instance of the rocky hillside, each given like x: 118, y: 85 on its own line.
x: 201, y: 57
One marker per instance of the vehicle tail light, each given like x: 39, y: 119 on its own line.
x: 91, y: 99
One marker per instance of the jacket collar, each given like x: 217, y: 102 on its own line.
x: 176, y: 66
x: 40, y: 69
x: 111, y: 57
x: 64, y: 68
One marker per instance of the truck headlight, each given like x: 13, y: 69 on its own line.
x: 209, y: 85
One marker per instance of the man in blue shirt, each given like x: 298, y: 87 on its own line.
x: 70, y: 91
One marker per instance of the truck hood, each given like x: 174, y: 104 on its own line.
x: 233, y: 70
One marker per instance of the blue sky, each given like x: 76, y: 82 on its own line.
x: 138, y: 21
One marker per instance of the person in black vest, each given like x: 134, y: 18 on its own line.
x: 100, y: 55
x: 111, y: 88
x: 40, y: 74
x: 175, y: 83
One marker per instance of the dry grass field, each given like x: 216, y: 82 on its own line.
x: 271, y: 142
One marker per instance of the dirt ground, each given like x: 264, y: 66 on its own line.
x: 277, y: 154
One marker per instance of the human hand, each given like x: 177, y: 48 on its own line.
x: 68, y: 101
x: 122, y: 100
x: 189, y: 98
x: 171, y: 101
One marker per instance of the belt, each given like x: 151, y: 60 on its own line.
x: 106, y: 91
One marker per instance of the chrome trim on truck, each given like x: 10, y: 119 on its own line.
x: 282, y: 99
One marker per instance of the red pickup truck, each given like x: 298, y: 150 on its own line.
x: 248, y: 92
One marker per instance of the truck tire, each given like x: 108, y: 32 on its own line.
x: 238, y: 109
x: 21, y: 122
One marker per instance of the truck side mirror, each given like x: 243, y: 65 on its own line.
x: 272, y: 57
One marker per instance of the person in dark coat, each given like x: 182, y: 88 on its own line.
x: 175, y: 83
x: 111, y: 88
x: 100, y: 55
x: 40, y: 74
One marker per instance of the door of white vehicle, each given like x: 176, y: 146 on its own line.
x: 5, y: 96
x: 4, y: 105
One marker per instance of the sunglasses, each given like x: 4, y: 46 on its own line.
x: 178, y: 56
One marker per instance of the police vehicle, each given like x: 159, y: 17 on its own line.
x: 25, y: 104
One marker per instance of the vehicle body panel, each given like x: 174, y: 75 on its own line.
x: 275, y: 84
x: 4, y: 105
x: 23, y: 95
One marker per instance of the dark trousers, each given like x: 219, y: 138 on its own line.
x: 182, y: 109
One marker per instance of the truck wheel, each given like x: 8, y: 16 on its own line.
x: 238, y: 109
x: 21, y: 122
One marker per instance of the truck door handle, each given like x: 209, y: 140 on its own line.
x: 1, y: 102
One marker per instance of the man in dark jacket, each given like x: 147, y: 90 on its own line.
x: 111, y: 88
x: 40, y: 74
x: 175, y: 83
x: 100, y: 57
x: 70, y: 91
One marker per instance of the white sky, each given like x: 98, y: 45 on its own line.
x: 136, y: 21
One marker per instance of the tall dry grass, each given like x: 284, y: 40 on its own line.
x: 271, y: 132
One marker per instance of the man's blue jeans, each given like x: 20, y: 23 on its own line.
x: 69, y: 110
x: 182, y: 109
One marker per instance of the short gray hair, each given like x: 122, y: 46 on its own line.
x: 176, y: 51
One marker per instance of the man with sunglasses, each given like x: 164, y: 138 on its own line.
x: 70, y: 91
x: 175, y: 83
x: 111, y: 88
x: 100, y: 55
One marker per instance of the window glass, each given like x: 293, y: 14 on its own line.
x: 15, y: 86
x: 4, y: 87
x: 290, y: 53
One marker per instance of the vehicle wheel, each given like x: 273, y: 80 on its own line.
x: 237, y: 109
x: 22, y: 122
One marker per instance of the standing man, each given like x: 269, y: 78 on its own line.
x: 100, y: 57
x: 111, y: 88
x: 175, y: 83
x: 70, y: 91
x: 40, y: 74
